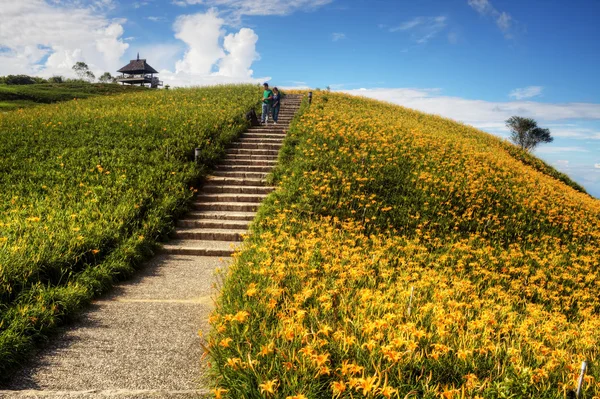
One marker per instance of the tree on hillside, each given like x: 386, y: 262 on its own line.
x: 83, y: 71
x: 106, y: 78
x: 525, y: 132
x: 21, y: 80
x: 56, y: 79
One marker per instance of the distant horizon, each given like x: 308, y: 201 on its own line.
x: 474, y: 61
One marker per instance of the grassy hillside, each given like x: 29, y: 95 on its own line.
x: 88, y: 187
x: 23, y: 96
x: 405, y: 255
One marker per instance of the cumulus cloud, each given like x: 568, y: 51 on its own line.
x: 526, y: 92
x: 201, y: 33
x: 51, y: 38
x: 211, y: 56
x: 597, y: 165
x: 503, y: 20
x: 422, y: 29
x: 241, y: 53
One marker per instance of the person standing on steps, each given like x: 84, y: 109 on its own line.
x: 266, y: 104
x: 276, y: 104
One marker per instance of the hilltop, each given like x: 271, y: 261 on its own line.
x: 24, y: 96
x: 407, y: 255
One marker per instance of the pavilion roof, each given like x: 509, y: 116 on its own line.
x: 138, y: 66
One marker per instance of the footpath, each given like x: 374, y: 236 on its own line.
x: 142, y: 339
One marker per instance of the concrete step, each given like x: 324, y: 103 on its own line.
x: 264, y: 135
x: 230, y: 197
x: 213, y: 188
x: 214, y: 224
x: 261, y: 140
x: 256, y: 146
x: 200, y: 248
x: 234, y: 181
x: 228, y: 235
x: 227, y: 206
x: 244, y: 168
x: 251, y: 175
x: 252, y: 151
x: 261, y: 159
x: 267, y: 130
x: 221, y: 215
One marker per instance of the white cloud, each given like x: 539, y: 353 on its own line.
x: 211, y: 56
x: 337, y: 36
x: 259, y: 7
x: 526, y: 92
x: 51, y: 39
x: 422, y: 29
x: 201, y: 33
x: 562, y: 163
x: 559, y: 150
x: 571, y: 132
x: 156, y: 19
x: 597, y: 165
x: 503, y: 20
x: 241, y: 53
x: 159, y: 55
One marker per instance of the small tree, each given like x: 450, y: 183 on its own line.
x: 83, y: 71
x: 106, y: 78
x: 525, y: 132
x: 56, y: 79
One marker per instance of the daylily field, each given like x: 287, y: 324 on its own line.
x: 407, y: 256
x: 87, y: 188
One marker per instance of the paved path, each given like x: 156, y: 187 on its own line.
x: 141, y: 340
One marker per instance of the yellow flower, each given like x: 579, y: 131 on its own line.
x: 241, y: 316
x: 218, y: 392
x: 268, y: 387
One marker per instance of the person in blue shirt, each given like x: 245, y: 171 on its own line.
x: 276, y: 104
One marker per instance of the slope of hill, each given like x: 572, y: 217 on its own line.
x: 88, y: 187
x: 405, y: 255
x: 24, y: 96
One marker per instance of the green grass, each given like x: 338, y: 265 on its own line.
x: 23, y: 96
x: 89, y: 187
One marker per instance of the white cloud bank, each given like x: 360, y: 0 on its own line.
x: 52, y: 37
x: 40, y: 39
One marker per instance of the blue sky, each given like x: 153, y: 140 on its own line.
x: 476, y: 61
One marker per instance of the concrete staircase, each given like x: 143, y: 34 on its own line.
x: 234, y: 191
x: 141, y: 339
